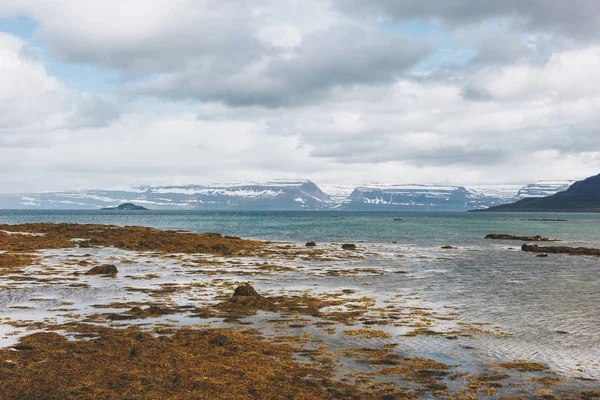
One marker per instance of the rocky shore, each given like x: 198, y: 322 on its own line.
x: 181, y: 315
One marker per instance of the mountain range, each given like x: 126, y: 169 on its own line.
x: 283, y: 194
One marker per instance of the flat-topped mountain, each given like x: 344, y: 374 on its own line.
x: 582, y: 196
x: 286, y: 194
x: 126, y: 207
x: 272, y: 195
x: 426, y: 197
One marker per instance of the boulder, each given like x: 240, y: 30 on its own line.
x: 311, y: 244
x: 349, y: 246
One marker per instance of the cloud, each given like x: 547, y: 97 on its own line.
x: 334, y: 91
x: 238, y: 52
x: 303, y: 74
x: 575, y: 19
x: 33, y: 101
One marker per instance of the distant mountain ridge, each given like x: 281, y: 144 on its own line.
x: 581, y: 196
x: 286, y: 194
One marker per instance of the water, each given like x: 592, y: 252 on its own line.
x: 549, y: 305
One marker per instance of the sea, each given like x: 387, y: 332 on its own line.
x: 550, y: 306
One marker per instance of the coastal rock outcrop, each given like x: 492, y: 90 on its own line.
x: 504, y: 236
x: 580, y: 251
x: 311, y: 244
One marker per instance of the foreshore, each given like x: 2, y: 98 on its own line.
x: 102, y: 311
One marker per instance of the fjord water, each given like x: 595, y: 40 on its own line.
x: 549, y: 305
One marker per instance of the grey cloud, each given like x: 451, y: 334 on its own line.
x: 575, y: 18
x: 343, y: 55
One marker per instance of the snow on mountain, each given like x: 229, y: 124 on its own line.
x: 542, y: 189
x: 273, y: 195
x: 286, y: 194
x: 407, y: 197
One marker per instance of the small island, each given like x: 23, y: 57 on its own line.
x: 126, y: 207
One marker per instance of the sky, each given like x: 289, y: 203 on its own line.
x: 107, y: 94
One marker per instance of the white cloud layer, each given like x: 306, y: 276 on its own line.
x: 331, y: 91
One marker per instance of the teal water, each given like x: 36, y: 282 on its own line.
x: 371, y: 227
x: 534, y: 299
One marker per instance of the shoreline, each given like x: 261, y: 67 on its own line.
x: 353, y: 340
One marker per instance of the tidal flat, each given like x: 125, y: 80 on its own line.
x: 160, y: 319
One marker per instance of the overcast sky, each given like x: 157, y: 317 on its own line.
x: 111, y: 93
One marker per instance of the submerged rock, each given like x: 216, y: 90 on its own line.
x: 311, y: 244
x: 246, y: 290
x: 504, y: 236
x: 349, y: 246
x: 448, y: 247
x: 106, y: 269
x: 542, y: 255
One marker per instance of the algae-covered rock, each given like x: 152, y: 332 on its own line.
x: 349, y: 246
x: 106, y: 269
x: 246, y: 290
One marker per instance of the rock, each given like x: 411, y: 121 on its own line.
x: 542, y: 255
x: 246, y: 290
x: 349, y: 246
x: 311, y: 244
x: 220, y: 340
x: 447, y: 247
x: 106, y: 269
x: 504, y: 236
x: 580, y: 251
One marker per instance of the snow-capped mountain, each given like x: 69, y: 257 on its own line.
x: 542, y: 189
x: 274, y: 195
x: 443, y: 197
x: 290, y: 195
x: 407, y: 197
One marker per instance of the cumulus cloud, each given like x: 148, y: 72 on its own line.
x: 33, y: 101
x: 336, y: 91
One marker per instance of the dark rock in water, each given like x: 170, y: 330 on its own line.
x: 448, y: 247
x: 246, y: 290
x: 311, y: 244
x: 542, y: 255
x: 106, y: 269
x: 504, y: 236
x: 126, y: 207
x: 220, y: 340
x: 349, y: 246
x: 580, y: 251
x: 119, y: 317
x: 398, y: 219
